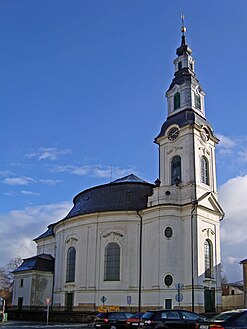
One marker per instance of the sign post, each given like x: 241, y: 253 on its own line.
x: 179, y: 296
x: 48, y: 300
x: 103, y: 299
x: 129, y: 301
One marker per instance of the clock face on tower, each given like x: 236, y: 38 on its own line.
x: 173, y: 133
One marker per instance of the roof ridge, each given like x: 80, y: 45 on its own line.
x: 129, y: 178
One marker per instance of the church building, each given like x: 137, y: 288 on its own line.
x: 130, y: 243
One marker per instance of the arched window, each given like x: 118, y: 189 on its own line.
x: 176, y: 101
x: 179, y: 65
x: 176, y: 170
x: 70, y: 270
x: 204, y: 170
x: 112, y: 262
x: 208, y: 255
x: 197, y: 102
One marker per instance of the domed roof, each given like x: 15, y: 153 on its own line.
x: 127, y: 193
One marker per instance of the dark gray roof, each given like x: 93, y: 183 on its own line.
x: 185, y: 74
x: 42, y: 262
x: 184, y: 48
x: 48, y: 232
x: 182, y: 76
x: 184, y: 118
x: 237, y: 284
x: 127, y: 193
x: 130, y: 179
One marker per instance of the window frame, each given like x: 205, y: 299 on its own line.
x: 112, y: 261
x: 176, y: 170
x: 208, y: 258
x: 168, y: 232
x: 205, y: 170
x: 197, y: 98
x: 176, y: 101
x: 71, y: 264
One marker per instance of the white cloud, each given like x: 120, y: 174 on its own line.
x: 232, y: 260
x: 226, y: 142
x: 232, y: 197
x: 234, y: 149
x: 94, y: 171
x: 23, y: 180
x: 20, y: 227
x: 48, y: 153
x: 49, y: 181
x: 5, y: 173
x: 24, y: 192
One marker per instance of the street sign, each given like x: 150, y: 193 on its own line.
x: 179, y: 286
x: 103, y: 299
x: 129, y: 300
x: 179, y: 297
x: 108, y: 308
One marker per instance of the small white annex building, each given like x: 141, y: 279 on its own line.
x: 148, y: 245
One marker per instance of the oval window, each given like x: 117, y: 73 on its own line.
x: 168, y: 280
x: 168, y: 232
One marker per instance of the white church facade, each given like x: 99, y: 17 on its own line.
x: 139, y: 244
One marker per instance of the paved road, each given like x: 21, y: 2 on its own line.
x: 40, y: 325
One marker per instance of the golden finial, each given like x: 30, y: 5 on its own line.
x: 183, y: 28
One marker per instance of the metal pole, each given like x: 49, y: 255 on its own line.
x: 3, y: 319
x: 48, y: 300
x: 47, y: 314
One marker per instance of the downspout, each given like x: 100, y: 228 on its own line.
x: 53, y: 279
x: 192, y: 258
x: 140, y: 265
x: 194, y: 204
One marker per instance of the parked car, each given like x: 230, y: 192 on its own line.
x: 173, y: 319
x: 134, y: 320
x: 229, y: 319
x: 112, y: 320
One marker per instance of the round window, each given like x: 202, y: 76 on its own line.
x: 168, y: 280
x: 168, y: 232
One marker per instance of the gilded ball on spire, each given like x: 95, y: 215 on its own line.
x: 183, y: 29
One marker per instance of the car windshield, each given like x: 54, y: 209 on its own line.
x: 116, y: 316
x: 224, y: 316
x: 101, y: 315
x: 136, y: 316
x: 190, y: 315
x: 129, y: 315
x: 147, y: 315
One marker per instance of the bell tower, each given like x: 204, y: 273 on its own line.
x: 185, y: 199
x: 187, y: 140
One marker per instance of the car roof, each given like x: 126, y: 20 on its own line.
x: 166, y: 310
x: 110, y: 312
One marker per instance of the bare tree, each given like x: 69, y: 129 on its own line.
x: 224, y: 279
x: 6, y: 278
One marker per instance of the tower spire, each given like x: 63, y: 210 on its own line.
x: 183, y: 49
x: 183, y: 28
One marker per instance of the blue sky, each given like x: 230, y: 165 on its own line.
x: 82, y: 88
